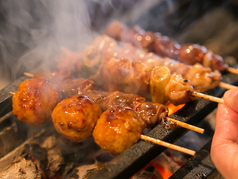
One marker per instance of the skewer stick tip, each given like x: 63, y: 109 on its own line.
x: 168, y: 145
x: 28, y: 74
x: 12, y: 93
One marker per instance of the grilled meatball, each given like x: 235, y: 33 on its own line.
x: 75, y: 117
x: 35, y: 100
x: 117, y: 129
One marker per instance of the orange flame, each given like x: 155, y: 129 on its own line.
x: 173, y: 109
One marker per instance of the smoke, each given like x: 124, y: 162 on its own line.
x: 35, y: 30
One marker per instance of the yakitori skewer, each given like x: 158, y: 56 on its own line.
x: 105, y: 100
x: 167, y: 47
x: 118, y: 128
x: 104, y: 48
x: 114, y: 130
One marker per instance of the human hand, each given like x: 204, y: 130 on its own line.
x: 224, y: 149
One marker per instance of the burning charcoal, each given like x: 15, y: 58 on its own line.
x: 149, y: 173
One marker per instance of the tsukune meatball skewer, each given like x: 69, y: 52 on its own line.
x: 76, y: 117
x: 36, y: 98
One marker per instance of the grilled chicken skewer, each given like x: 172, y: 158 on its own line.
x: 103, y: 48
x: 166, y: 47
x: 156, y: 83
x: 76, y: 117
x: 35, y: 95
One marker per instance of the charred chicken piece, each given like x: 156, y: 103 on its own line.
x: 117, y: 129
x: 127, y: 76
x: 166, y: 87
x: 35, y: 100
x: 157, y: 83
x: 75, y: 117
x: 152, y: 113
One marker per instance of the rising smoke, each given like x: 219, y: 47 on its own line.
x: 33, y: 30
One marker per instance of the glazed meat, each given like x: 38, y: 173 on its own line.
x: 75, y: 117
x: 117, y: 129
x: 35, y: 100
x: 152, y: 113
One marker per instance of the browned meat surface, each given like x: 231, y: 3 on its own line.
x: 117, y: 129
x: 164, y: 46
x: 110, y: 49
x: 72, y: 87
x: 205, y: 76
x: 127, y: 76
x: 75, y: 117
x: 214, y: 61
x: 147, y: 82
x: 152, y: 113
x: 178, y: 90
x: 35, y: 100
x: 192, y: 53
x: 165, y: 87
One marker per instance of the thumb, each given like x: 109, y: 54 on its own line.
x: 231, y: 99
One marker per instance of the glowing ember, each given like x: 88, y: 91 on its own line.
x: 173, y: 109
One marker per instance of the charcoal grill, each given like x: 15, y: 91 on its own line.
x: 133, y: 159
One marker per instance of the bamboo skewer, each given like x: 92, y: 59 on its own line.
x: 187, y: 126
x: 227, y: 86
x: 208, y: 97
x: 167, y: 145
x: 232, y: 70
x: 28, y: 74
